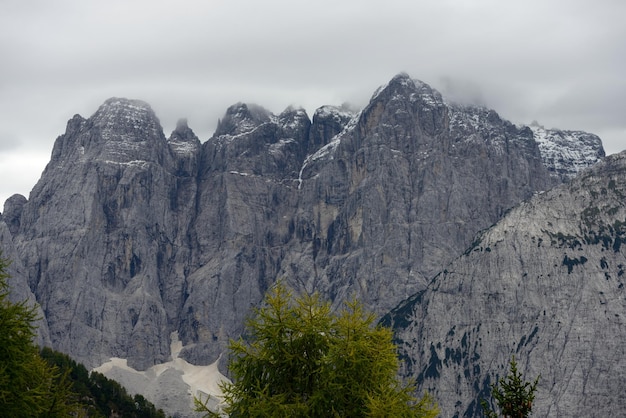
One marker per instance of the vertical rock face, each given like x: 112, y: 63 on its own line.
x: 327, y: 122
x: 243, y: 224
x: 13, y: 212
x: 98, y: 237
x: 18, y: 280
x: 545, y: 284
x: 402, y: 190
x: 129, y: 235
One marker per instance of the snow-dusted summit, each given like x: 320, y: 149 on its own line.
x: 566, y: 153
x: 130, y: 236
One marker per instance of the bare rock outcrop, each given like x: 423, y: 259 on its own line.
x: 130, y: 236
x: 545, y: 284
x: 97, y: 237
x: 566, y: 153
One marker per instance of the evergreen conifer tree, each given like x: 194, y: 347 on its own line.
x: 297, y: 359
x: 29, y: 386
x: 514, y: 396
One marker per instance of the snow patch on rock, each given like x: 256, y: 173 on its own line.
x: 171, y: 386
x: 183, y: 147
x: 566, y: 153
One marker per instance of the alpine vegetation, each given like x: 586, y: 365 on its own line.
x: 298, y: 359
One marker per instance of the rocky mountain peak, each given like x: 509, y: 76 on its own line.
x: 566, y: 153
x: 182, y: 128
x: 340, y: 114
x: 183, y: 140
x: 129, y: 237
x: 294, y: 123
x: 327, y: 122
x: 563, y: 153
x: 241, y: 118
x: 75, y: 124
x: 121, y: 131
x: 120, y: 119
x: 293, y: 117
x: 471, y: 124
x: 404, y: 102
x: 402, y: 86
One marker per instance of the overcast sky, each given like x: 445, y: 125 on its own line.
x: 559, y: 62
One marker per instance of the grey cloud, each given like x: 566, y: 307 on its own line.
x: 591, y: 105
x: 560, y: 62
x: 7, y: 142
x: 462, y: 91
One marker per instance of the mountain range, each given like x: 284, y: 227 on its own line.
x: 473, y: 237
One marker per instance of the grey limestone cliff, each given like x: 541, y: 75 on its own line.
x: 13, y: 212
x: 17, y: 275
x: 545, y: 284
x: 130, y: 236
x: 402, y: 190
x: 98, y: 237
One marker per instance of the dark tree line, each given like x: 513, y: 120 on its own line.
x: 46, y: 383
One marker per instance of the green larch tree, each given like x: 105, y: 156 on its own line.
x: 298, y: 359
x: 29, y: 386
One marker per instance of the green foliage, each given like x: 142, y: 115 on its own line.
x: 100, y: 396
x: 514, y: 397
x: 50, y: 384
x: 29, y: 386
x: 300, y: 360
